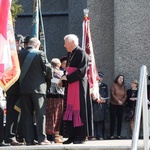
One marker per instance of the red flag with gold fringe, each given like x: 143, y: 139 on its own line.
x: 9, y: 63
x: 87, y: 45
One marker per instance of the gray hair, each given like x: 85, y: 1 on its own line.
x: 72, y: 37
x: 34, y: 42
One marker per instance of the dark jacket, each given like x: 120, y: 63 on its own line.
x: 79, y: 60
x: 39, y: 70
x: 103, y: 90
x: 131, y: 104
x: 99, y: 110
x: 15, y: 88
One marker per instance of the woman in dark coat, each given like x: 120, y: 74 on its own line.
x: 131, y: 102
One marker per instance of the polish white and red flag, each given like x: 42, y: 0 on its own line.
x: 87, y: 45
x: 9, y: 64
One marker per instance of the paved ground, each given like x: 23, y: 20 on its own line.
x: 89, y: 145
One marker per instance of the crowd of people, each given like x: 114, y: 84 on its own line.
x: 52, y: 101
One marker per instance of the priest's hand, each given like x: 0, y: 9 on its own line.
x: 63, y: 78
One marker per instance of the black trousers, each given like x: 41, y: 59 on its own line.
x: 33, y: 109
x: 116, y: 112
x: 11, y: 119
x: 1, y: 125
x: 99, y: 130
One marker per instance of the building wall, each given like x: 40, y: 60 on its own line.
x: 131, y: 37
x: 102, y: 31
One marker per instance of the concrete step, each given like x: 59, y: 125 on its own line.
x: 89, y: 145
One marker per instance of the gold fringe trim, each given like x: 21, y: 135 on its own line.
x: 17, y: 109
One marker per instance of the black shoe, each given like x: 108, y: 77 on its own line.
x: 50, y: 137
x: 78, y: 142
x: 97, y: 138
x: 21, y: 140
x: 4, y: 144
x: 111, y: 137
x: 69, y: 141
x: 118, y: 137
x: 32, y: 143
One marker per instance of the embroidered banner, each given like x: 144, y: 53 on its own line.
x: 87, y: 45
x: 9, y: 63
x: 37, y: 25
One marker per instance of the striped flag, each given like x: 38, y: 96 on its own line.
x: 9, y: 63
x: 88, y: 47
x: 37, y: 25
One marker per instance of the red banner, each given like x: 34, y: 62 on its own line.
x: 87, y: 45
x: 5, y: 55
x: 9, y: 63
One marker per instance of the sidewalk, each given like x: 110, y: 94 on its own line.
x: 89, y: 145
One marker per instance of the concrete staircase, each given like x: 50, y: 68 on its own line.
x: 89, y: 145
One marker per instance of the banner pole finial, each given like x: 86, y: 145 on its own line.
x: 86, y: 12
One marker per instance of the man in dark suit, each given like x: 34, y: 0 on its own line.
x: 33, y: 89
x: 12, y: 115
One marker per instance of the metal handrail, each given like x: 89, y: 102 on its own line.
x: 141, y: 101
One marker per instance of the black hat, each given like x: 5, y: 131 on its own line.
x: 101, y: 74
x: 63, y: 59
x: 19, y: 37
x: 27, y: 39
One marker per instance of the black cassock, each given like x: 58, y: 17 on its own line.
x: 79, y: 59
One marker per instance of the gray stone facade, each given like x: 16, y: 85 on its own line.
x: 120, y: 31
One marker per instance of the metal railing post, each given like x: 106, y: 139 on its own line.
x: 141, y: 101
x: 145, y: 116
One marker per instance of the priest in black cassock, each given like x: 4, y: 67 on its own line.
x: 77, y: 119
